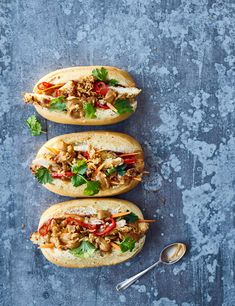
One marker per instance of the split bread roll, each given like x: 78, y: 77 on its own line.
x: 89, y: 95
x: 70, y: 234
x: 90, y: 163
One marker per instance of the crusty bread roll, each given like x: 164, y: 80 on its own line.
x: 64, y: 258
x: 74, y: 73
x: 101, y: 140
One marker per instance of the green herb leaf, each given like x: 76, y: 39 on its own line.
x: 131, y: 218
x: 123, y: 106
x: 43, y: 176
x: 110, y: 171
x: 100, y: 74
x: 127, y: 244
x: 92, y: 188
x: 121, y: 169
x: 112, y: 82
x: 80, y: 167
x: 85, y: 250
x: 78, y: 180
x: 89, y: 110
x: 34, y: 125
x: 58, y: 104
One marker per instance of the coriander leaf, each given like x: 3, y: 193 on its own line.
x: 127, y: 244
x: 131, y: 218
x: 85, y: 250
x: 121, y: 169
x: 58, y: 104
x: 110, y: 171
x: 100, y: 74
x: 78, y: 180
x: 43, y: 176
x: 123, y: 106
x: 34, y: 125
x: 89, y: 110
x: 80, y: 167
x: 112, y: 82
x: 92, y: 188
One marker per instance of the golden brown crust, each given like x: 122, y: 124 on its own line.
x: 64, y: 259
x: 104, y: 140
x: 73, y: 73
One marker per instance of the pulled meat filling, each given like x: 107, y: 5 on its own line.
x: 108, y: 168
x: 75, y: 95
x: 67, y: 233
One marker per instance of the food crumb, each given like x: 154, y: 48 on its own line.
x: 22, y: 226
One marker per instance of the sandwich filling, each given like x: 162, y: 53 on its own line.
x: 84, y: 234
x: 87, y: 97
x: 82, y: 164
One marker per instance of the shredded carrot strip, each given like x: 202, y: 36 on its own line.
x: 52, y: 87
x: 47, y: 245
x: 147, y: 221
x: 137, y: 179
x: 115, y: 246
x: 111, y: 107
x: 53, y: 150
x: 120, y: 214
x: 129, y: 154
x: 100, y: 167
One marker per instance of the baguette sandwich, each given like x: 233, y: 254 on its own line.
x: 89, y: 163
x: 91, y: 95
x: 91, y: 232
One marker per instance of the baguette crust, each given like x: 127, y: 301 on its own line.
x: 64, y: 258
x: 74, y: 73
x: 102, y: 140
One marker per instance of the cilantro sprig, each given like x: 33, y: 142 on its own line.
x: 127, y: 244
x: 34, y: 125
x: 131, y: 218
x: 79, y: 169
x: 121, y: 170
x: 102, y: 75
x: 85, y: 250
x: 123, y: 106
x: 43, y: 175
x: 89, y: 111
x: 58, y: 104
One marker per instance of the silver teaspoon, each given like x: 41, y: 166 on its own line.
x: 169, y: 255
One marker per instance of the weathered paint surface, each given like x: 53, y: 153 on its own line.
x: 181, y: 54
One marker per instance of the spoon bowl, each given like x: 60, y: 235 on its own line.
x: 172, y: 253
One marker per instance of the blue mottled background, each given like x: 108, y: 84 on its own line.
x: 181, y: 54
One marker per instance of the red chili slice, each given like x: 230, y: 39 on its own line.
x: 101, y: 88
x: 129, y: 160
x: 81, y: 223
x: 57, y: 93
x: 86, y: 155
x: 109, y: 228
x: 44, y: 229
x: 60, y: 175
x: 104, y: 106
x: 44, y: 85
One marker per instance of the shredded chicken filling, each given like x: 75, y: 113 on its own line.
x: 110, y: 169
x: 77, y: 94
x: 67, y: 233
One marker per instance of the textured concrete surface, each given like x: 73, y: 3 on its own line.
x: 181, y: 54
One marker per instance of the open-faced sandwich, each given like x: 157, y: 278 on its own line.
x: 91, y: 95
x: 91, y: 232
x: 89, y: 163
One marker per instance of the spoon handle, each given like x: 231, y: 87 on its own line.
x: 126, y: 283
